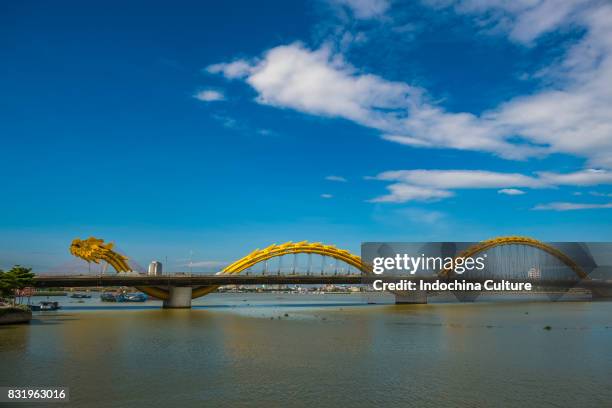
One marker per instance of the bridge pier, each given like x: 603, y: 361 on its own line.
x: 179, y: 297
x: 410, y: 297
x: 601, y: 294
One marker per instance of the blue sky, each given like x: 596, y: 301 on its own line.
x: 216, y: 128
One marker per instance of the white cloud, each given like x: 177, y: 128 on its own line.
x: 457, y: 179
x: 209, y: 95
x: 326, y: 196
x: 587, y: 177
x: 570, y: 117
x: 571, y: 206
x: 365, y: 9
x: 231, y: 70
x: 320, y: 82
x: 427, y: 125
x: 336, y: 178
x: 598, y: 194
x: 411, y: 185
x: 523, y: 20
x: 401, y: 193
x: 510, y: 191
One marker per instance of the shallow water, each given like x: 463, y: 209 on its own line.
x: 330, y: 350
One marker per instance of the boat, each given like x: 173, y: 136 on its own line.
x: 135, y: 297
x: 45, y: 305
x: 108, y: 297
x: 80, y: 296
x: 123, y: 297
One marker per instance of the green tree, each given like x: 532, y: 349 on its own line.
x: 4, y: 290
x: 15, y: 279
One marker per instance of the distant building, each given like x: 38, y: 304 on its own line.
x: 155, y: 268
x: 534, y: 273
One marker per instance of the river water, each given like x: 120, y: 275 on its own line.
x: 269, y: 350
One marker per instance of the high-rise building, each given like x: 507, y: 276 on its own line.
x: 155, y: 268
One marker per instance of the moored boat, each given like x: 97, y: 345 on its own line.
x: 123, y: 297
x: 45, y: 305
x: 80, y: 296
x: 135, y: 297
x: 108, y: 297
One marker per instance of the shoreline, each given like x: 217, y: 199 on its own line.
x: 14, y: 315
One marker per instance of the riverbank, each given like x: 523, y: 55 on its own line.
x: 48, y: 293
x: 15, y: 314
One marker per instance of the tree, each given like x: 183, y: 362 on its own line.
x: 17, y: 278
x: 4, y: 290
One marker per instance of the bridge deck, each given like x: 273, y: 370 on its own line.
x: 193, y: 280
x: 49, y: 281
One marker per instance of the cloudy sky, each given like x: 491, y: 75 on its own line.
x: 200, y: 131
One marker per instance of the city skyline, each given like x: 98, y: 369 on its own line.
x: 200, y: 133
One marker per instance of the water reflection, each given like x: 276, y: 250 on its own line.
x: 273, y: 353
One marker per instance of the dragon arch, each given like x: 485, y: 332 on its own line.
x: 304, y: 247
x: 518, y: 240
x: 95, y: 250
x: 273, y: 251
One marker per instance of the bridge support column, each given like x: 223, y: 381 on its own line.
x: 179, y: 298
x: 410, y: 297
x: 601, y: 294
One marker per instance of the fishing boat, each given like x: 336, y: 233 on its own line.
x: 135, y: 297
x: 123, y: 297
x: 80, y: 296
x: 108, y: 297
x: 44, y: 306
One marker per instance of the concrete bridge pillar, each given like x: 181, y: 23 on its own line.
x: 410, y: 297
x: 601, y: 294
x: 179, y: 298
